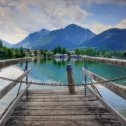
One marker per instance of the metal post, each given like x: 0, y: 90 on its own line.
x: 26, y: 68
x: 85, y: 80
x: 70, y: 79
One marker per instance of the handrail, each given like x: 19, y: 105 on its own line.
x: 119, y: 90
x: 7, y: 88
x: 109, y: 107
x: 11, y: 108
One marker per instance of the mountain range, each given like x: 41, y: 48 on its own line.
x: 70, y: 37
x: 74, y: 36
x: 33, y: 40
x: 112, y: 39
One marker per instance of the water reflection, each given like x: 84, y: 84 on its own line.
x: 79, y: 62
x: 56, y: 61
x: 35, y: 60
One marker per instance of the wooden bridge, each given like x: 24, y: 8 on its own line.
x: 65, y: 107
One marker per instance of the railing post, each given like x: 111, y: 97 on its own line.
x: 70, y: 79
x: 26, y: 68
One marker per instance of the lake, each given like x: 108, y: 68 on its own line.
x: 55, y: 70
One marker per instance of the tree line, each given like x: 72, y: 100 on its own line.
x: 10, y: 53
x: 93, y: 52
x: 88, y: 52
x: 18, y: 53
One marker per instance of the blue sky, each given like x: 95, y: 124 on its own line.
x: 109, y: 13
x: 19, y: 18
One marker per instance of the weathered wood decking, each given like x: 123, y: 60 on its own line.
x: 58, y: 108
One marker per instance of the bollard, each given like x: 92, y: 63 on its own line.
x: 70, y: 79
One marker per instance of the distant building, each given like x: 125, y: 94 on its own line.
x: 60, y: 55
x: 32, y: 52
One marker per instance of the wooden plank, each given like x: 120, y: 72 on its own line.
x: 67, y: 122
x: 7, y: 88
x: 109, y: 107
x: 6, y: 116
x: 58, y: 99
x: 118, y: 89
x: 59, y: 107
x: 41, y: 104
x: 56, y: 96
x: 59, y: 118
x: 51, y: 112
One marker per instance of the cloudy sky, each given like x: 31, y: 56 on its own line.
x: 18, y: 18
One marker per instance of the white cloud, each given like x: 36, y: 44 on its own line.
x: 98, y: 28
x: 18, y: 18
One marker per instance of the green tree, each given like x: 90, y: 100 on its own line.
x: 21, y: 50
x: 63, y: 50
x: 77, y: 51
x: 1, y: 44
x: 10, y: 53
x: 108, y: 54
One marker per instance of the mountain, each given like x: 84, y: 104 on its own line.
x: 112, y: 39
x: 6, y: 44
x: 69, y: 37
x: 32, y: 39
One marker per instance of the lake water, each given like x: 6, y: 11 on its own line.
x: 55, y: 71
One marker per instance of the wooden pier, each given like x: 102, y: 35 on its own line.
x: 70, y: 106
